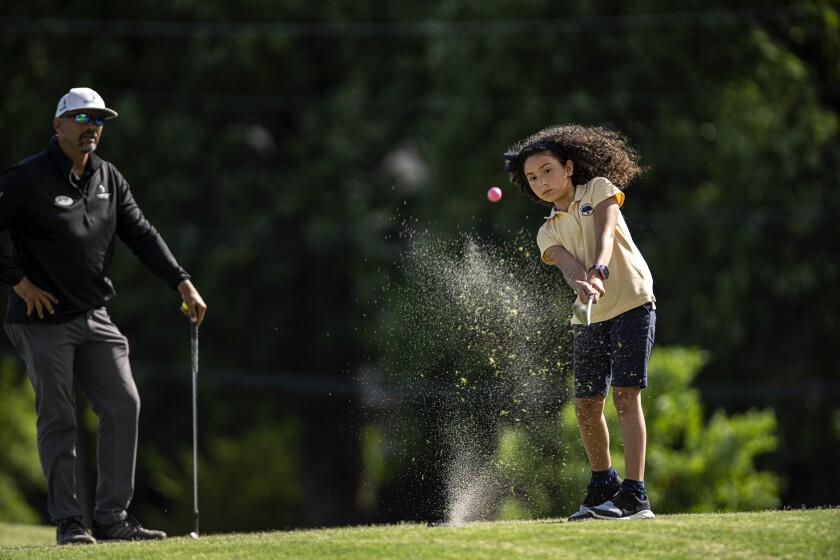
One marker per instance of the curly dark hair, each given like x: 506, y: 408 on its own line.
x: 595, y: 152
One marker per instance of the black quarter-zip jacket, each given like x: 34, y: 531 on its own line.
x: 63, y: 233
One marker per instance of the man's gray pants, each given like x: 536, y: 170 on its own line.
x: 91, y: 350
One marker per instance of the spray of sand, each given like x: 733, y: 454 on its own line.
x: 481, y: 328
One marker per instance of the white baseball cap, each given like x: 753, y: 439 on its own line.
x: 81, y: 99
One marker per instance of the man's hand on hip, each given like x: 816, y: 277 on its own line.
x: 35, y: 298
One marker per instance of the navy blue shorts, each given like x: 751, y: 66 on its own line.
x: 615, y: 350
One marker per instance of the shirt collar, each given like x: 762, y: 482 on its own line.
x: 63, y: 163
x: 579, y: 190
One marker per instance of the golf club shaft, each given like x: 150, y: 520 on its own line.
x: 194, y: 348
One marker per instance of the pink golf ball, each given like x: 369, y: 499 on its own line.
x: 494, y: 194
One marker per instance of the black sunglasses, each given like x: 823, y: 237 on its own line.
x: 86, y: 118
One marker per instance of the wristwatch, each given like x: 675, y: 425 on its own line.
x: 602, y: 268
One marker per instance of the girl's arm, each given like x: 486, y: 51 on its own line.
x: 573, y: 272
x: 606, y: 218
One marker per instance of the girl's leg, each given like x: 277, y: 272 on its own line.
x: 592, y: 367
x: 593, y: 431
x: 632, y: 335
x: 631, y: 418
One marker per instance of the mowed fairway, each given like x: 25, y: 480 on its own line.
x: 772, y: 534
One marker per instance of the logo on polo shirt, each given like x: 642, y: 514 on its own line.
x: 587, y: 210
x: 102, y: 193
x: 62, y: 200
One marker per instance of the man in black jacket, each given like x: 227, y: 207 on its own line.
x: 63, y: 208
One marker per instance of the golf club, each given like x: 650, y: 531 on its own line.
x: 583, y: 313
x: 194, y: 348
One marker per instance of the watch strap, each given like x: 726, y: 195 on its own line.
x: 602, y: 270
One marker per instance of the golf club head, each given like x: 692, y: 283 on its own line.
x: 193, y: 535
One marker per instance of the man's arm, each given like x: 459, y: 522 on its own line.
x: 144, y: 240
x: 13, y: 192
x: 13, y: 188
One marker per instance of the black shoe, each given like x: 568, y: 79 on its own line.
x: 71, y: 531
x: 596, y: 494
x: 128, y: 529
x: 626, y: 505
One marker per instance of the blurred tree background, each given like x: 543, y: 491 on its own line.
x: 282, y: 148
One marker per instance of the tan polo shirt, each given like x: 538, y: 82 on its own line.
x: 631, y: 283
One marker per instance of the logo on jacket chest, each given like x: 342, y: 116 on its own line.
x: 102, y: 193
x: 587, y: 210
x: 62, y: 200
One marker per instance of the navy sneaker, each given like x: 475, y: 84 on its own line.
x: 71, y: 531
x: 128, y: 529
x: 625, y: 505
x: 596, y: 494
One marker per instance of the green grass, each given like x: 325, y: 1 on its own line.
x: 770, y: 534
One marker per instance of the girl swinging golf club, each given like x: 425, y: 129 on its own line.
x: 581, y: 173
